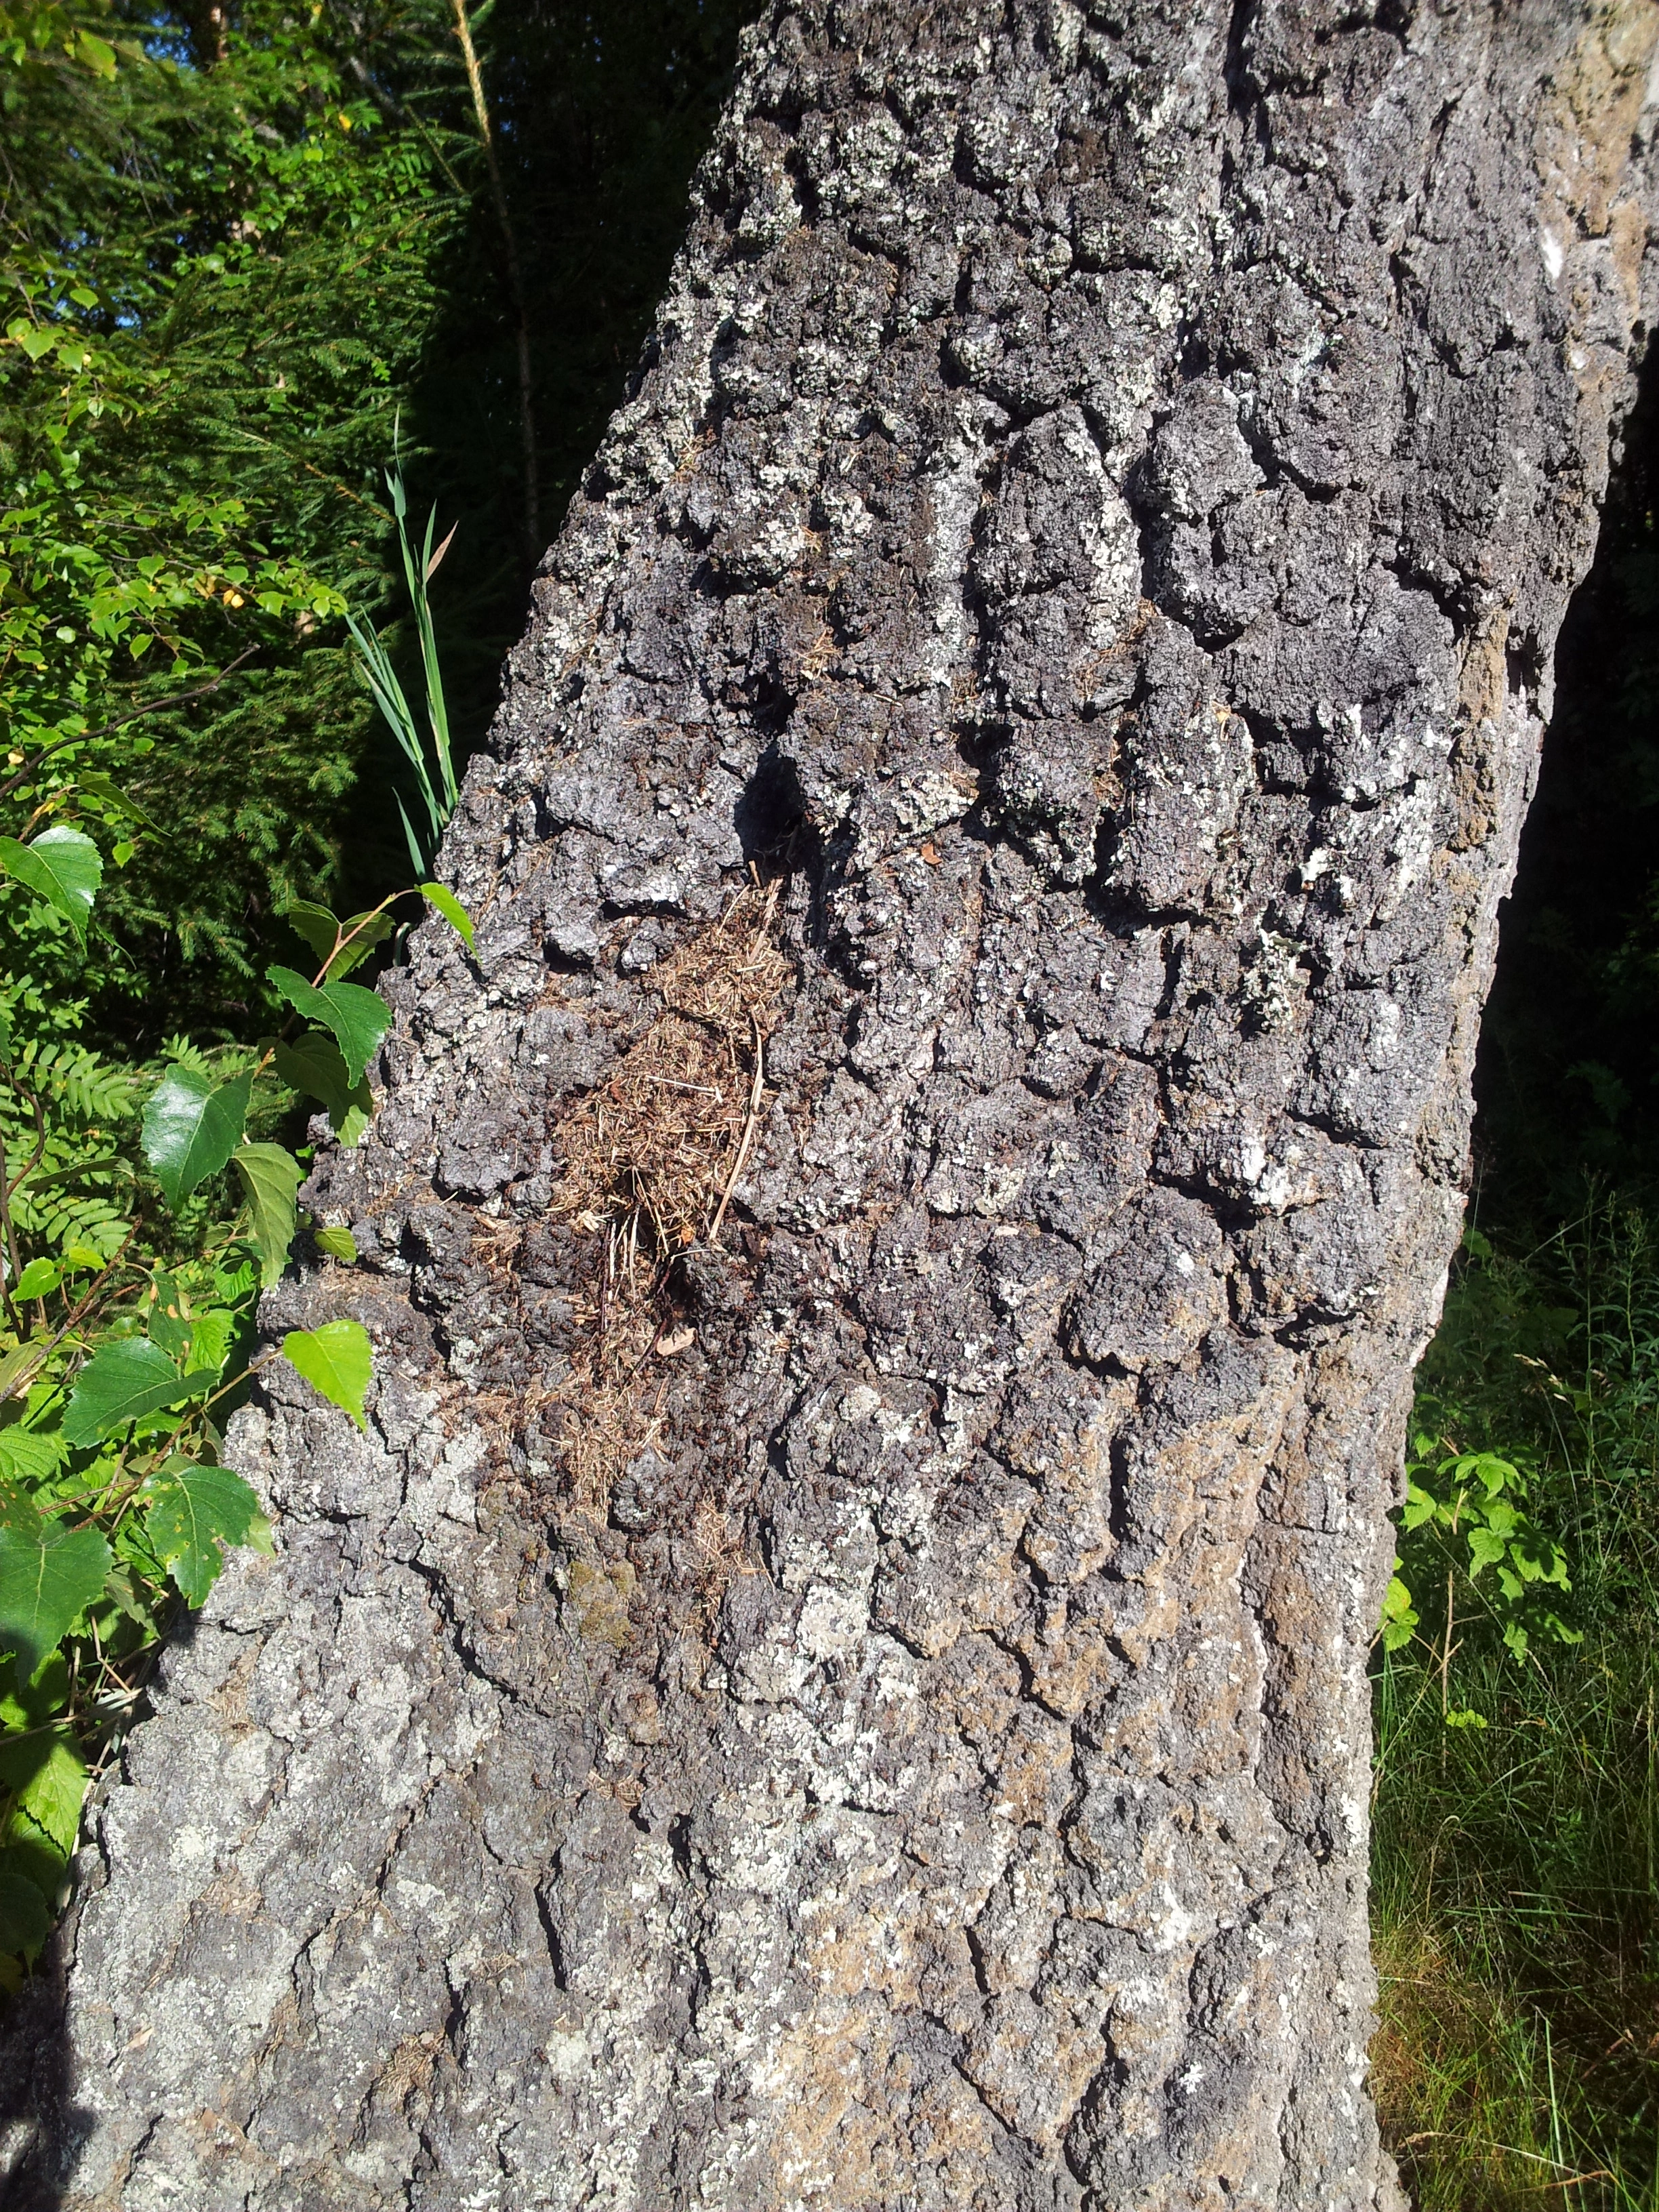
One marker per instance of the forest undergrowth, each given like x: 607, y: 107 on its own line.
x: 1516, y: 1899
x: 1515, y: 1856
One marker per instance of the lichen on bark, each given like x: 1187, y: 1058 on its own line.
x: 1091, y: 530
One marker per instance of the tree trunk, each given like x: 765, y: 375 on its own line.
x: 836, y: 1676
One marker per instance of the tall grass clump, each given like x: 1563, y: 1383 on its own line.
x: 1516, y: 1863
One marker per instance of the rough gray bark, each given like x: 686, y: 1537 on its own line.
x: 1093, y: 525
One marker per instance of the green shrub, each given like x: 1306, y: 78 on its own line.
x: 141, y: 1210
x: 1515, y: 1868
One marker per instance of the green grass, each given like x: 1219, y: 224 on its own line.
x: 1515, y: 1866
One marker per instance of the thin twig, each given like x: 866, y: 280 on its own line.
x: 752, y: 1117
x: 100, y: 1283
x: 1508, y: 2150
x: 155, y: 706
x: 673, y: 1083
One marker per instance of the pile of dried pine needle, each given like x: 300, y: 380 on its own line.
x: 650, y: 1160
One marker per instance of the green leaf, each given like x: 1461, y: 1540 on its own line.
x: 191, y: 1337
x: 322, y: 931
x: 314, y: 1064
x: 99, y: 786
x: 60, y: 866
x: 167, y: 1315
x: 37, y: 1279
x: 366, y: 931
x: 1419, y: 1507
x: 1465, y: 1719
x: 1486, y: 1549
x: 1496, y: 1475
x: 191, y: 1126
x: 337, y: 1243
x: 452, y: 910
x: 1399, y: 1616
x: 191, y: 1510
x: 53, y: 1794
x: 17, y: 1508
x: 271, y: 1177
x: 25, y: 1916
x: 18, y: 1365
x: 319, y: 928
x: 128, y: 1594
x: 122, y: 1381
x: 26, y: 1705
x: 46, y: 1581
x: 95, y: 53
x: 357, y: 1018
x: 336, y: 1359
x: 31, y: 1455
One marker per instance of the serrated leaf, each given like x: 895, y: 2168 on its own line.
x: 62, y: 866
x: 270, y: 1178
x: 314, y: 1064
x: 189, y: 1511
x: 191, y: 1126
x: 37, y: 1279
x: 323, y: 931
x: 31, y: 1455
x: 167, y: 1315
x: 211, y: 1337
x: 17, y: 1508
x: 1419, y: 1507
x: 98, y: 786
x: 337, y: 1243
x: 44, y: 1581
x: 193, y: 1338
x: 452, y: 910
x: 1399, y: 1616
x: 53, y: 1794
x: 25, y: 1916
x: 18, y: 1365
x: 356, y: 1018
x: 122, y: 1381
x: 319, y: 927
x: 336, y: 1359
x: 127, y: 1594
x: 1486, y: 1548
x: 31, y: 1705
x: 365, y: 930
